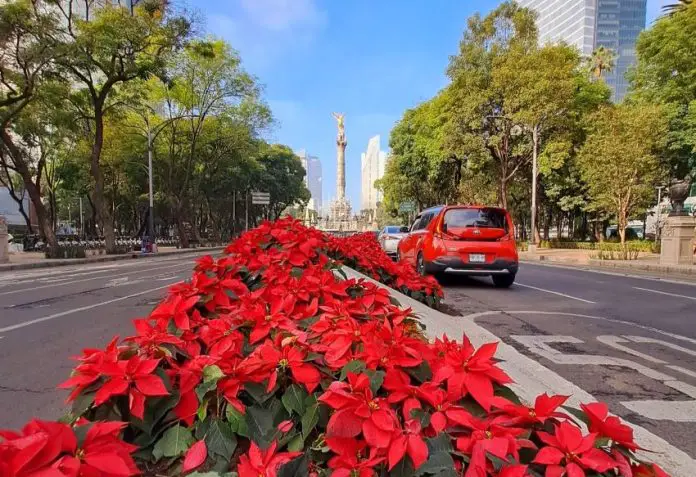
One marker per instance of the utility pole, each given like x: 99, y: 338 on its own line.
x: 151, y: 213
x: 234, y: 212
x: 246, y: 213
x: 535, y: 139
x: 82, y: 220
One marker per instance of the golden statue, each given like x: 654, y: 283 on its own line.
x: 341, y: 126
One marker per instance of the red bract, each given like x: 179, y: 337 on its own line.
x: 195, y: 456
x: 175, y: 308
x: 89, y: 371
x: 132, y: 377
x: 608, y: 426
x: 268, y: 359
x: 470, y: 371
x: 648, y: 470
x: 571, y: 453
x: 358, y: 411
x: 263, y: 463
x: 151, y: 337
x: 408, y: 441
x: 544, y: 408
x: 50, y: 449
x: 351, y: 460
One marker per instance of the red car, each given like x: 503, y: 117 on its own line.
x: 463, y: 239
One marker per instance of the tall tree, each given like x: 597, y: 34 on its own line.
x: 282, y: 176
x: 481, y: 124
x: 619, y: 161
x: 602, y: 60
x: 114, y: 47
x: 27, y: 51
x: 666, y: 74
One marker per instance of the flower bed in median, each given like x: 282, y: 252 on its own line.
x: 269, y: 363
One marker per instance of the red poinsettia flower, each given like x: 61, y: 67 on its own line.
x: 608, y: 426
x: 221, y: 337
x: 408, y: 441
x: 351, y: 460
x: 513, y: 471
x: 273, y: 316
x: 151, y: 336
x: 358, y: 411
x: 195, y: 456
x: 398, y: 383
x: 389, y: 346
x: 470, y: 371
x: 570, y: 453
x: 188, y: 376
x: 544, y: 408
x: 132, y: 377
x: 175, y: 308
x: 442, y: 404
x: 263, y: 463
x: 488, y: 436
x: 268, y: 358
x: 89, y: 371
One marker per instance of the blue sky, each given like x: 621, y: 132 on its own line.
x: 369, y: 59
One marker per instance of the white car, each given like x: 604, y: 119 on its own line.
x: 389, y: 238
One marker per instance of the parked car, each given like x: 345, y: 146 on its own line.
x: 389, y: 238
x: 463, y: 239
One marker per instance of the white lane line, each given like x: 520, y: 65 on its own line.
x: 555, y: 293
x: 93, y: 278
x: 688, y: 372
x: 665, y: 293
x: 77, y: 310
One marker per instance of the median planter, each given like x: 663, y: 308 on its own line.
x: 270, y: 362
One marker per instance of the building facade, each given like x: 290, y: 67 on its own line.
x: 373, y: 163
x: 313, y: 179
x: 588, y: 24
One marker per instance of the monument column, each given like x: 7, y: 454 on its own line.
x: 341, y: 144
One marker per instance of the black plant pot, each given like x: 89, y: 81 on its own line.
x: 678, y: 193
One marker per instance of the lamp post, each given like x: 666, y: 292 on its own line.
x: 658, y: 213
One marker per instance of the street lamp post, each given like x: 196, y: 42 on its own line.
x: 657, y: 213
x: 151, y: 212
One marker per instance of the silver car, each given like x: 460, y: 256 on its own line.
x: 389, y: 238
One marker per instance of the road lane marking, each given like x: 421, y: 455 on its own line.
x: 688, y: 372
x: 556, y: 293
x: 665, y: 293
x: 50, y: 285
x: 77, y: 310
x: 613, y: 341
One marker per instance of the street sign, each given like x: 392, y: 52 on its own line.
x: 407, y: 207
x: 260, y: 198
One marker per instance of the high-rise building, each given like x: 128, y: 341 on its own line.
x: 313, y: 179
x: 373, y: 163
x: 588, y: 24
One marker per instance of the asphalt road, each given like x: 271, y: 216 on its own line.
x: 49, y: 315
x: 629, y: 341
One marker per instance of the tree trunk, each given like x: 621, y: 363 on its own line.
x: 535, y: 148
x: 21, y: 165
x: 502, y: 193
x: 104, y: 215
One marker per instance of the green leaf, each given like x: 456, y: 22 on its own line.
x: 296, y: 444
x: 212, y: 373
x: 403, y: 468
x: 355, y: 366
x: 259, y: 421
x: 507, y: 393
x: 237, y: 421
x: 202, y: 412
x: 376, y: 379
x: 294, y: 399
x: 421, y: 373
x: 310, y: 420
x: 205, y: 387
x: 220, y: 440
x: 440, y: 443
x: 258, y: 392
x: 296, y: 272
x: 578, y: 414
x: 175, y: 441
x: 298, y: 467
x: 436, y: 463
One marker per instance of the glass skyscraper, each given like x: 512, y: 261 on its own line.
x: 588, y: 24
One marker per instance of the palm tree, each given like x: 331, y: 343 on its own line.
x: 677, y: 7
x: 602, y: 60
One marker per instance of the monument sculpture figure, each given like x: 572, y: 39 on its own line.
x: 340, y: 209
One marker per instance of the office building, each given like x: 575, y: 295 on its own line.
x: 373, y: 163
x: 588, y: 24
x: 313, y: 179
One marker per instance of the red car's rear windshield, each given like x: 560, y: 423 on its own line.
x: 489, y: 218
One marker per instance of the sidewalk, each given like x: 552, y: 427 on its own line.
x: 30, y: 260
x: 647, y: 262
x: 532, y: 378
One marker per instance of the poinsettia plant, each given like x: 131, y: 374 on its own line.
x: 270, y: 362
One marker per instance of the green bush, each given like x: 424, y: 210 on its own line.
x: 609, y: 251
x: 637, y: 245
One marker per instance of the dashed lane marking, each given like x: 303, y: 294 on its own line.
x: 555, y: 293
x: 666, y: 293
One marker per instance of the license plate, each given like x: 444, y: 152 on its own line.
x: 477, y: 258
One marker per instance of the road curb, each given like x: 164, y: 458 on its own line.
x: 532, y: 378
x: 101, y: 259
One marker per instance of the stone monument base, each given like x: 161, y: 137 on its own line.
x: 677, y: 241
x: 4, y: 246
